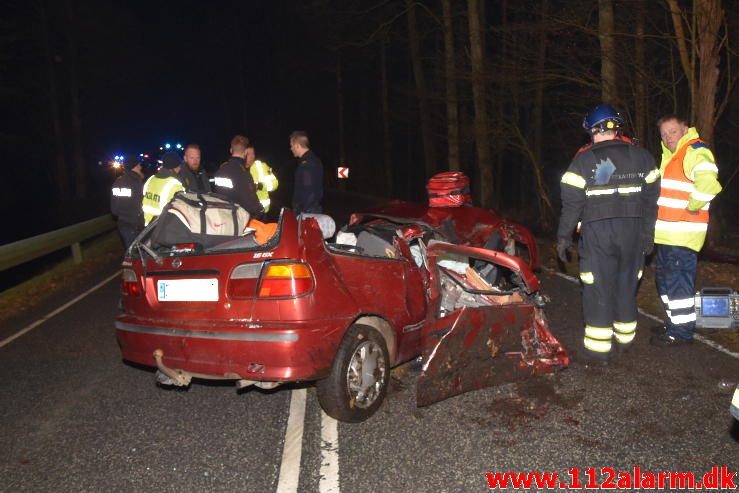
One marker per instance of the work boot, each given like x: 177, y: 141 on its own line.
x: 623, y: 348
x: 668, y: 340
x: 658, y: 329
x: 592, y: 358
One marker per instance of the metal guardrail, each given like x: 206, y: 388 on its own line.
x: 22, y: 251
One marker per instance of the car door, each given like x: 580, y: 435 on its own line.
x: 480, y: 335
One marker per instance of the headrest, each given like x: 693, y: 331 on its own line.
x: 325, y: 222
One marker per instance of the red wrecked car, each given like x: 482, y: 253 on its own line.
x: 396, y: 283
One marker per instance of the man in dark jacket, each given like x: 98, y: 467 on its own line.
x: 308, y: 187
x: 125, y: 202
x: 192, y: 175
x: 234, y: 182
x: 611, y: 187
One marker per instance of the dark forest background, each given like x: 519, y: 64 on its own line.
x: 396, y: 90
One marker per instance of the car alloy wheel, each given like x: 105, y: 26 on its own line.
x: 365, y: 374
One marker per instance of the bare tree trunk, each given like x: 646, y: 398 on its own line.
x: 545, y: 207
x: 61, y: 173
x: 74, y: 104
x: 682, y: 48
x: 706, y: 43
x: 426, y: 129
x: 482, y: 146
x: 710, y: 17
x: 640, y: 92
x: 386, y: 142
x: 452, y: 104
x: 607, y: 51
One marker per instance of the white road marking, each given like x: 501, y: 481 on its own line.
x: 329, y: 482
x: 58, y: 310
x: 293, y: 448
x: 697, y: 337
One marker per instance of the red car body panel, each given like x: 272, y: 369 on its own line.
x: 464, y: 225
x: 296, y: 338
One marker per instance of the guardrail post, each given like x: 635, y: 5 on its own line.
x: 77, y: 253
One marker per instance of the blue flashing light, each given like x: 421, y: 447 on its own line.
x: 179, y: 146
x: 167, y: 146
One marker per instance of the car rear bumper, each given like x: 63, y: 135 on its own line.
x: 290, y: 352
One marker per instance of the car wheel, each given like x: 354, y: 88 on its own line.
x: 357, y: 384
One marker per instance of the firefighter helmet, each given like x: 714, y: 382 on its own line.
x: 603, y: 117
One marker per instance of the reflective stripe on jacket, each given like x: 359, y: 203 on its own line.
x: 689, y: 182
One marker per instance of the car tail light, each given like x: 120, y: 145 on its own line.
x: 243, y: 281
x: 129, y: 283
x: 285, y: 279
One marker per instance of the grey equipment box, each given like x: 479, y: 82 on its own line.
x: 717, y: 308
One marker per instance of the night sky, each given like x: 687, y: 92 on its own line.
x: 142, y: 73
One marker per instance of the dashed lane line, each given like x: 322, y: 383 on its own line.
x: 57, y: 311
x: 697, y: 337
x: 293, y: 448
x: 329, y: 482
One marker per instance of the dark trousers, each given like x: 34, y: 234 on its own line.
x: 675, y: 269
x: 611, y: 261
x: 128, y: 233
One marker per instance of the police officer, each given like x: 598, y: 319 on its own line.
x: 308, y: 191
x: 125, y: 202
x: 160, y: 188
x: 611, y: 187
x: 262, y: 175
x: 234, y: 182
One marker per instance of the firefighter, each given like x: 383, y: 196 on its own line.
x: 611, y: 188
x: 689, y: 182
x: 262, y: 175
x: 161, y: 187
x: 125, y: 202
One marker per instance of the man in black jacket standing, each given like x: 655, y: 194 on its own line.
x: 233, y: 180
x: 308, y: 187
x: 125, y: 202
x: 192, y: 174
x: 611, y: 187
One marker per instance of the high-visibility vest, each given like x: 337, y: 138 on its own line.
x: 262, y: 173
x: 676, y: 225
x: 158, y: 191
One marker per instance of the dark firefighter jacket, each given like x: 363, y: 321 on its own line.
x: 610, y: 179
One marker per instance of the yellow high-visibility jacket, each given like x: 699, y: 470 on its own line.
x: 262, y: 173
x: 689, y: 183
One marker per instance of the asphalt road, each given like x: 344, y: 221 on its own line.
x: 74, y: 417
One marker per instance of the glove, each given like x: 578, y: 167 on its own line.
x: 563, y: 244
x: 647, y: 242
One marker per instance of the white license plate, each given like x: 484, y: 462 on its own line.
x: 187, y: 290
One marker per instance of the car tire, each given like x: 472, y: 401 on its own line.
x: 357, y: 384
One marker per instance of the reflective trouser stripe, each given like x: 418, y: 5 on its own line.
x: 598, y: 339
x: 675, y: 278
x: 587, y: 277
x: 624, y: 331
x: 611, y: 253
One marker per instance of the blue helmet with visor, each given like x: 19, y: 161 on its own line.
x: 602, y: 118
